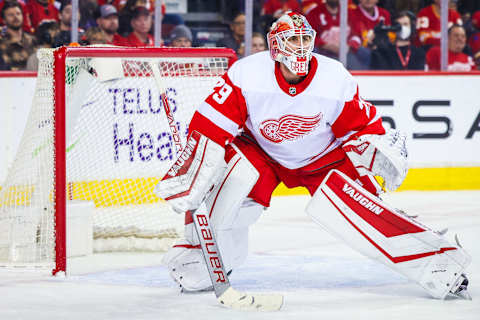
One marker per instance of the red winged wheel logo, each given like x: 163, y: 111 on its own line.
x: 289, y: 127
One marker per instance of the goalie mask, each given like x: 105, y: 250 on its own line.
x: 290, y: 41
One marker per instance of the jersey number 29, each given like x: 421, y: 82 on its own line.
x: 222, y: 94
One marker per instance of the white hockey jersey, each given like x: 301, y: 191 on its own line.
x: 294, y: 124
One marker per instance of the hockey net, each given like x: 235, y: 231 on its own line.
x: 97, y: 134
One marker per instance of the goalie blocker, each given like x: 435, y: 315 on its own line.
x: 368, y: 225
x: 200, y: 165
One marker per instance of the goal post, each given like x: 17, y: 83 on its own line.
x: 98, y: 137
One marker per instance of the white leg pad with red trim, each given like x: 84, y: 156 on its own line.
x: 231, y: 213
x: 369, y: 225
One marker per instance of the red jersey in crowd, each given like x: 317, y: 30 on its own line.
x: 39, y: 12
x: 325, y: 24
x: 119, y: 4
x: 428, y: 24
x: 116, y: 39
x: 27, y: 26
x: 309, y: 5
x: 362, y: 24
x: 271, y: 7
x: 456, y: 61
x: 476, y: 19
x: 133, y: 41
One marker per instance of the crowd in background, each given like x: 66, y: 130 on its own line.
x: 383, y: 34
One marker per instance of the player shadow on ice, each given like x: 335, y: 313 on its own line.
x: 281, y: 274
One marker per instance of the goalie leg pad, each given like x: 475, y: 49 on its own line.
x: 231, y: 213
x: 370, y: 226
x: 185, y: 260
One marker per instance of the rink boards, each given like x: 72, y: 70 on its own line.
x: 440, y: 114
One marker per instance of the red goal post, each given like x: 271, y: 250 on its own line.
x: 96, y: 133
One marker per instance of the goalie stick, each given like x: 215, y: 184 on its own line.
x: 226, y: 295
x: 224, y: 292
x: 166, y: 106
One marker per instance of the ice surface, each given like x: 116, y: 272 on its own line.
x: 320, y: 277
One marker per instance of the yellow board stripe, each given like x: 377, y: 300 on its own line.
x: 454, y: 178
x: 120, y: 192
x: 433, y: 179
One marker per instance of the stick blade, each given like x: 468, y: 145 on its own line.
x: 234, y: 299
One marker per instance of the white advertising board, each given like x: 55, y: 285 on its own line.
x: 15, y: 101
x: 440, y: 114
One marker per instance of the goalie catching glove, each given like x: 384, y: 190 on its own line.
x: 380, y: 155
x: 200, y: 165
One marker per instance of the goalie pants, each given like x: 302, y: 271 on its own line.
x: 310, y: 176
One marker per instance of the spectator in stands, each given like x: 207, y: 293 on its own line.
x: 41, y: 10
x: 474, y: 39
x: 15, y: 56
x: 468, y: 6
x: 65, y: 17
x: 428, y: 24
x: 362, y: 21
x: 12, y: 37
x: 94, y: 35
x: 181, y: 37
x: 273, y: 9
x: 88, y: 10
x: 27, y: 26
x: 276, y: 8
x: 127, y: 12
x: 403, y: 54
x: 409, y: 5
x: 237, y: 36
x: 325, y: 19
x: 118, y: 4
x: 389, y: 5
x: 44, y: 35
x: 258, y: 42
x: 141, y: 24
x: 457, y: 60
x: 169, y: 22
x: 108, y: 22
x: 3, y: 65
x: 309, y: 5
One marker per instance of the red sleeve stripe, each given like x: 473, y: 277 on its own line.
x: 218, y: 118
x: 374, y: 127
x: 208, y: 128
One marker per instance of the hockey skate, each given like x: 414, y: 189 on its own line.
x: 459, y: 290
x: 186, y: 266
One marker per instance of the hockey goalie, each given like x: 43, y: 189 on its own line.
x: 292, y: 116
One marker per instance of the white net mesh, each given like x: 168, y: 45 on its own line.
x: 118, y: 146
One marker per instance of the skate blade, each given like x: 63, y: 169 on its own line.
x: 462, y: 295
x: 208, y: 289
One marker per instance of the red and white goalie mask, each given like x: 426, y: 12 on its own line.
x: 290, y: 41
